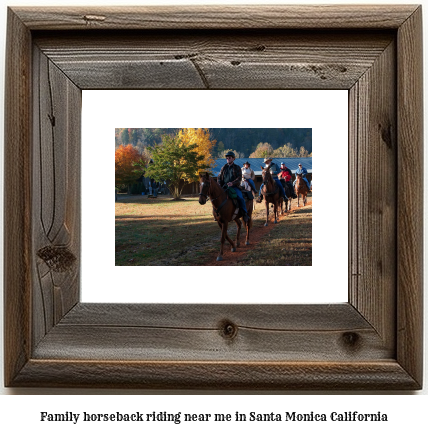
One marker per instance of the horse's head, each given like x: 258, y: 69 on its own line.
x: 204, y: 190
x: 266, y: 176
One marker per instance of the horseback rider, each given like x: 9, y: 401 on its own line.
x: 273, y: 169
x: 302, y: 171
x: 230, y: 175
x: 285, y: 174
x: 249, y: 175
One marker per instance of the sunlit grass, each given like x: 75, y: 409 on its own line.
x: 162, y: 231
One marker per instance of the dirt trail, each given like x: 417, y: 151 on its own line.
x: 257, y: 232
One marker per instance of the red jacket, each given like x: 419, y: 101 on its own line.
x: 285, y: 175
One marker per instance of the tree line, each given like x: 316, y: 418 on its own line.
x: 243, y: 140
x: 179, y: 155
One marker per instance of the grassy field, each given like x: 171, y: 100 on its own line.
x: 166, y: 232
x: 288, y: 243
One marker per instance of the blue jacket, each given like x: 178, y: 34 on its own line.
x: 302, y: 171
x: 274, y: 170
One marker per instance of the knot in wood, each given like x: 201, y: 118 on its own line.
x: 351, y: 340
x: 228, y: 330
x: 58, y: 259
x: 94, y: 18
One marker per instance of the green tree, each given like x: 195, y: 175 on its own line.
x: 125, y: 137
x: 134, y: 136
x: 220, y: 148
x: 176, y: 163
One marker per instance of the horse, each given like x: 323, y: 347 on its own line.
x: 289, y: 190
x: 271, y: 193
x: 301, y: 189
x: 224, y: 211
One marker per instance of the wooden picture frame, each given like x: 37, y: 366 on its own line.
x: 372, y: 342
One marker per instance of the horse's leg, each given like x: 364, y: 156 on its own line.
x: 223, y: 237
x: 267, y: 211
x: 288, y: 204
x: 249, y: 224
x: 248, y: 227
x: 275, y: 211
x: 229, y: 240
x: 238, y: 232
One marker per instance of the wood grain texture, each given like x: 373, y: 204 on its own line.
x: 17, y: 197
x: 373, y: 162
x: 199, y: 332
x: 217, y: 17
x: 216, y: 59
x: 410, y: 193
x: 385, y: 375
x: 372, y: 342
x: 56, y: 194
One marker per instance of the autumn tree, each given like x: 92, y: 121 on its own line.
x: 303, y: 153
x: 263, y: 150
x: 204, y: 145
x: 129, y: 165
x: 175, y: 162
x: 285, y: 151
x: 237, y: 154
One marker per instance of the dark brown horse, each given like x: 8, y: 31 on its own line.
x: 301, y: 189
x: 289, y: 190
x: 272, y: 194
x: 224, y: 211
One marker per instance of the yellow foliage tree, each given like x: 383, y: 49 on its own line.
x: 263, y: 150
x: 204, y: 145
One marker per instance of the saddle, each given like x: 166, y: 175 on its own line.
x: 247, y: 195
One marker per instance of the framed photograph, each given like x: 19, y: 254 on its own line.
x: 162, y: 232
x: 373, y: 341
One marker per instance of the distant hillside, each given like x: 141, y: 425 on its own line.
x: 243, y: 140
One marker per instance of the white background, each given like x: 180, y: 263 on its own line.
x: 407, y: 413
x: 326, y: 112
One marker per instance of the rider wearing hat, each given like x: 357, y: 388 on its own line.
x: 249, y: 175
x: 302, y: 171
x: 273, y: 169
x: 230, y: 175
x: 286, y: 175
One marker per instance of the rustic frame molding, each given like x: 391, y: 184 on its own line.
x: 372, y: 342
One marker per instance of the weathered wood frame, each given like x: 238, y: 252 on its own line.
x: 372, y: 342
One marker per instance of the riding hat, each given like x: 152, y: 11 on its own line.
x: 246, y: 163
x: 267, y: 159
x: 230, y: 154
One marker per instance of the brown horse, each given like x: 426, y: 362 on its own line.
x: 224, y: 211
x: 301, y: 189
x: 272, y: 194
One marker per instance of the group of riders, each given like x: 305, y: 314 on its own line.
x: 233, y: 176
